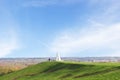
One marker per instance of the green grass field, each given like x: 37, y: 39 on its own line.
x: 67, y: 71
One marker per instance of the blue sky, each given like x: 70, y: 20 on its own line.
x: 73, y: 28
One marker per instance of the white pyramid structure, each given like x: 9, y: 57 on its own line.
x: 58, y: 58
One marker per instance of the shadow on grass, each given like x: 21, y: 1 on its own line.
x: 99, y: 72
x: 67, y: 66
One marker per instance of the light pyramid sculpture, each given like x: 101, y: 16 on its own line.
x: 58, y: 58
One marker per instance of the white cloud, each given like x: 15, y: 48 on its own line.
x: 8, y: 42
x: 117, y: 53
x: 106, y: 12
x: 107, y: 37
x: 8, y: 32
x: 99, y: 36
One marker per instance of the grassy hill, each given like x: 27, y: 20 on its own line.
x: 67, y: 71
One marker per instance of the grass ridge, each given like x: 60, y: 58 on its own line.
x: 66, y: 71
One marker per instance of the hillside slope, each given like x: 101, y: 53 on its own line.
x: 67, y: 71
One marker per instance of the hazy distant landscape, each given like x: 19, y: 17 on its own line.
x: 8, y: 65
x: 41, y: 69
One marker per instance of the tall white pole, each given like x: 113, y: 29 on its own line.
x: 58, y: 58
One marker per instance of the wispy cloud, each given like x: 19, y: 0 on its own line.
x: 102, y: 34
x: 106, y: 12
x: 8, y: 32
x: 99, y: 38
x: 39, y: 3
x: 44, y: 3
x: 8, y: 42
